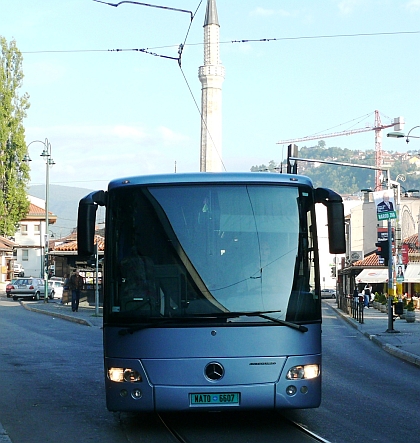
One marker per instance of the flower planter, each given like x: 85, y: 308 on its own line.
x: 410, y: 317
x: 384, y: 308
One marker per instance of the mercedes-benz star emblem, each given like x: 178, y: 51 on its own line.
x: 214, y: 371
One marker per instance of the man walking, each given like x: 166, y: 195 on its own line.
x: 76, y: 283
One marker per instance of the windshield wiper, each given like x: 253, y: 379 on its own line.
x: 262, y: 314
x: 300, y: 328
x: 157, y: 322
x: 150, y: 324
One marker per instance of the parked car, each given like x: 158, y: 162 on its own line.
x: 328, y: 293
x: 28, y: 287
x: 9, y: 287
x: 18, y: 270
x: 56, y: 287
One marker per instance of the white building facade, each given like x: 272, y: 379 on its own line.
x: 30, y: 238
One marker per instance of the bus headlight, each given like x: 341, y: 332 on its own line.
x: 120, y: 375
x: 303, y: 372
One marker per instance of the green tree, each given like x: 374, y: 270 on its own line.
x: 272, y: 167
x: 14, y: 172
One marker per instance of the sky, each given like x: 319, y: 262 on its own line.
x: 293, y: 68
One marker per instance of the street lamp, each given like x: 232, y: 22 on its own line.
x: 402, y: 135
x: 46, y: 155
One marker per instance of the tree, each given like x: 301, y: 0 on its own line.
x: 272, y: 167
x: 14, y: 172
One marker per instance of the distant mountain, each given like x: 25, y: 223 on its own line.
x: 63, y: 202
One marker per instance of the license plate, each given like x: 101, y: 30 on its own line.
x: 231, y: 398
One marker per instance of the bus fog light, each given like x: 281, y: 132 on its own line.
x: 303, y: 372
x: 136, y: 394
x: 123, y: 393
x: 291, y: 390
x: 304, y: 390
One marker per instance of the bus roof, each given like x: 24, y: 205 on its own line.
x: 211, y: 177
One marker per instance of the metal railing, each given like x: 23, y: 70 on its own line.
x: 353, y: 306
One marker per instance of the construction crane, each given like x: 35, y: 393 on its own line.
x: 398, y: 125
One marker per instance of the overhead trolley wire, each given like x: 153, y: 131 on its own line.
x: 260, y: 40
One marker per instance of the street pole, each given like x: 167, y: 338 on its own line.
x: 390, y: 270
x: 46, y: 155
x: 96, y: 282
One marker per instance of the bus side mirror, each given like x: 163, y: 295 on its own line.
x: 86, y: 220
x: 336, y: 231
x: 335, y: 217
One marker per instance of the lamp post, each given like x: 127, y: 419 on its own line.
x: 46, y: 155
x: 402, y: 135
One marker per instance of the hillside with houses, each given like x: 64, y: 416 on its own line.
x: 405, y: 166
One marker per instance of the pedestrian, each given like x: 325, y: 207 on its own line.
x: 66, y: 281
x: 366, y: 294
x: 76, y: 283
x: 355, y: 292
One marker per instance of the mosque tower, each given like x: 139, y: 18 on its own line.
x: 211, y: 76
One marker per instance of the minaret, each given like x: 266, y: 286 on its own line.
x: 211, y: 76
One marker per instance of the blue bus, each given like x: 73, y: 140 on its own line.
x: 211, y: 287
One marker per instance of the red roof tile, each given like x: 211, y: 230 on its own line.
x: 6, y: 244
x: 39, y: 213
x: 369, y: 260
x: 72, y: 245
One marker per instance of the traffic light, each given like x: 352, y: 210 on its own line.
x: 384, y: 252
x: 333, y: 271
x: 91, y: 261
x: 292, y: 151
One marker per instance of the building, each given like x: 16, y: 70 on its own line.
x: 6, y: 259
x: 30, y: 238
x: 363, y: 264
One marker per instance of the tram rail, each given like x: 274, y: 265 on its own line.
x: 291, y: 430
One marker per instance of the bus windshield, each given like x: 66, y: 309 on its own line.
x: 194, y: 250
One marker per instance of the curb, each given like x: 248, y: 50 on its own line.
x: 57, y: 314
x: 399, y: 353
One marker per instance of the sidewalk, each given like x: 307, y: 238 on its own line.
x: 86, y: 314
x: 403, y: 342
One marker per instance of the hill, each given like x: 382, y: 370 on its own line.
x: 63, y: 202
x: 350, y: 180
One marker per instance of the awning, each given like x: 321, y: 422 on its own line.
x: 412, y: 273
x: 373, y: 276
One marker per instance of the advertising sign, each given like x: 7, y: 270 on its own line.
x: 385, y: 205
x: 404, y: 254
